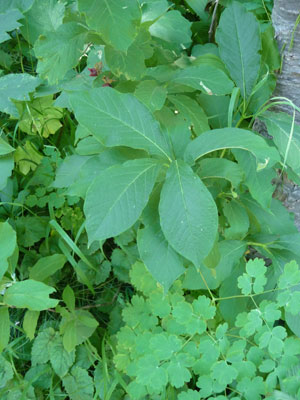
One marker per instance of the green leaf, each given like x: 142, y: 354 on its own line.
x: 189, y: 395
x: 132, y: 63
x: 223, y: 372
x: 44, y: 16
x: 151, y: 94
x: 198, y: 6
x: 59, y: 51
x: 9, y: 22
x: 255, y: 269
x: 77, y: 328
x: 61, y: 360
x: 47, y: 266
x: 290, y: 276
x: 152, y: 9
x: 30, y: 294
x: 163, y: 345
x: 117, y: 22
x: 164, y: 264
x: 69, y: 298
x: 172, y: 27
x: 227, y: 138
x: 40, y: 353
x: 221, y: 168
x: 238, y: 37
x: 124, y: 120
x: 22, y: 5
x: 150, y: 374
x: 6, y: 372
x: 252, y: 388
x: 6, y: 167
x: 8, y: 242
x: 259, y: 182
x: 117, y: 198
x: 17, y: 87
x: 238, y: 220
x: 192, y: 110
x: 30, y: 322
x: 206, y: 78
x: 177, y: 369
x: 78, y: 384
x: 4, y: 328
x: 287, y: 140
x: 188, y: 213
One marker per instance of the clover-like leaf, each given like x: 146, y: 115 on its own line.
x: 223, y: 372
x: 290, y: 276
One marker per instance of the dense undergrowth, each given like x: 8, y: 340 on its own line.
x: 143, y: 254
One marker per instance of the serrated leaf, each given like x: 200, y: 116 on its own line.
x: 8, y: 242
x: 290, y: 276
x: 150, y: 374
x: 117, y: 198
x: 227, y: 138
x: 61, y: 360
x: 40, y: 352
x: 189, y: 395
x: 172, y: 27
x: 78, y: 384
x: 123, y: 119
x: 116, y: 21
x: 17, y: 87
x: 8, y: 22
x: 59, y: 51
x: 188, y: 213
x: 238, y: 37
x: 208, y: 79
x: 223, y: 372
x: 30, y: 294
x: 177, y: 369
x: 6, y: 372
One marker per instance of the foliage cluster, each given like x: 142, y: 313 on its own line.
x: 134, y: 194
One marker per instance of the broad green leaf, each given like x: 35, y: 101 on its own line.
x: 159, y: 257
x: 150, y: 373
x: 123, y: 119
x: 238, y: 37
x: 116, y: 21
x: 22, y: 5
x: 6, y: 372
x: 6, y: 167
x: 5, y: 148
x: 8, y: 242
x: 252, y: 388
x: 192, y: 110
x: 220, y: 168
x: 287, y: 140
x: 198, y: 6
x: 78, y: 384
x: 152, y: 9
x: 17, y: 87
x: 172, y: 27
x: 151, y: 94
x: 30, y: 294
x: 61, y: 360
x: 44, y: 16
x: 259, y: 182
x: 8, y: 22
x: 177, y: 369
x: 47, y: 266
x: 40, y: 353
x: 216, y: 108
x: 4, y: 328
x: 188, y: 213
x: 223, y: 372
x: 83, y: 325
x: 206, y: 78
x: 238, y: 220
x: 68, y: 170
x: 59, y: 51
x: 30, y: 323
x: 227, y: 138
x: 131, y: 64
x: 117, y: 197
